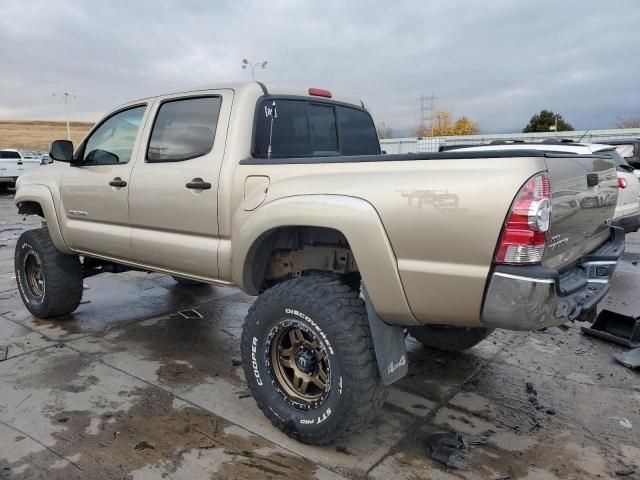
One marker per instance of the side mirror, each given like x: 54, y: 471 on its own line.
x: 61, y: 151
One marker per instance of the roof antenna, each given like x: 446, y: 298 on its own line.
x: 585, y: 132
x: 284, y: 61
x: 273, y: 113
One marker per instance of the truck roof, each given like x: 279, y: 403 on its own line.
x: 267, y: 89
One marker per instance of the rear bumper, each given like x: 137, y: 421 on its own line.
x: 630, y: 223
x: 534, y: 297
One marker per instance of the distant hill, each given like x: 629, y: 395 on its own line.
x: 38, y: 134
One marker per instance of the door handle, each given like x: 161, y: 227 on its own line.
x: 198, y: 185
x: 118, y: 182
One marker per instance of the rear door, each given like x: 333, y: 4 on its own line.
x: 173, y: 200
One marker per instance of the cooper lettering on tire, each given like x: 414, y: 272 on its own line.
x: 308, y: 358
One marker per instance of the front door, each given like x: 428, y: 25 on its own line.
x: 173, y: 200
x: 94, y: 193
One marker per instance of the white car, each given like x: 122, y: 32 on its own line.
x: 12, y: 165
x: 627, y: 213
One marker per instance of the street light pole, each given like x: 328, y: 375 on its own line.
x: 247, y: 64
x: 65, y: 98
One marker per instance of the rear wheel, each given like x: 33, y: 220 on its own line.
x: 308, y: 357
x: 188, y: 282
x: 450, y: 339
x: 50, y: 282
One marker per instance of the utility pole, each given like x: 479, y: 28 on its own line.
x: 65, y: 97
x: 426, y: 112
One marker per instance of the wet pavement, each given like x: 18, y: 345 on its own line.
x: 128, y: 388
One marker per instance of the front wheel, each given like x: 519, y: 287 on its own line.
x: 50, y: 282
x: 308, y: 357
x: 449, y: 339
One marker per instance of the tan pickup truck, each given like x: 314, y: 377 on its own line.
x: 284, y: 193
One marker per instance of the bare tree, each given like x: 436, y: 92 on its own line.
x: 631, y: 122
x: 384, y: 131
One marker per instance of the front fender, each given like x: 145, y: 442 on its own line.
x: 355, y: 218
x: 42, y: 195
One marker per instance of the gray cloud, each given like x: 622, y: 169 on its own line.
x: 497, y: 61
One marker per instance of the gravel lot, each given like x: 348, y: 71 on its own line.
x: 127, y: 388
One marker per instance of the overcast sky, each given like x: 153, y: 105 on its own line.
x: 496, y: 61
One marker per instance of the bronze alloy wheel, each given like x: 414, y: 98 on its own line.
x: 34, y: 275
x: 299, y: 364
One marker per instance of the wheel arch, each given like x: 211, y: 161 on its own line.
x: 35, y: 199
x: 341, y: 217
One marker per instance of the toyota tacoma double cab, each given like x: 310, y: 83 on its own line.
x: 284, y: 193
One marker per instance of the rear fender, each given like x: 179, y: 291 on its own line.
x: 355, y: 218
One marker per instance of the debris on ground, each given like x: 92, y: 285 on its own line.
x: 625, y: 472
x: 191, y: 313
x: 531, y: 388
x: 4, y: 352
x: 452, y: 448
x: 143, y: 445
x: 235, y: 362
x: 616, y: 327
x: 630, y: 359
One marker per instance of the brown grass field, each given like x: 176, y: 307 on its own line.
x: 37, y: 135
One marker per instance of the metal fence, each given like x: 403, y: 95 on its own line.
x: 433, y: 144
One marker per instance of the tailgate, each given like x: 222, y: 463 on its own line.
x: 584, y: 191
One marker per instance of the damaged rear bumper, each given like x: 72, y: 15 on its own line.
x: 534, y: 297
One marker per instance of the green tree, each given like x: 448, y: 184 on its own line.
x: 545, y: 121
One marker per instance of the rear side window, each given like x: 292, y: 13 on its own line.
x: 358, y: 134
x: 301, y: 128
x: 184, y: 129
x: 9, y: 154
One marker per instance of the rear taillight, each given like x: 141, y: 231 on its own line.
x: 622, y: 182
x: 524, y: 235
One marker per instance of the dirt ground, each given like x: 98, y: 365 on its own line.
x: 126, y: 388
x: 37, y: 135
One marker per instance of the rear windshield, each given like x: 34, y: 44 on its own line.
x: 303, y: 128
x: 5, y: 154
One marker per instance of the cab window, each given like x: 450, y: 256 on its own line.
x: 112, y: 142
x: 184, y: 129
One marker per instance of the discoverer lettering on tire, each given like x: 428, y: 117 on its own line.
x: 308, y: 359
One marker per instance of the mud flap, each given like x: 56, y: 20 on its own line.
x: 388, y: 342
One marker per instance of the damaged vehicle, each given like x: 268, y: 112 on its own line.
x: 284, y: 193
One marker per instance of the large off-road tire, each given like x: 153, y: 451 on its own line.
x: 308, y: 357
x: 449, y: 339
x: 188, y: 282
x: 50, y: 282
